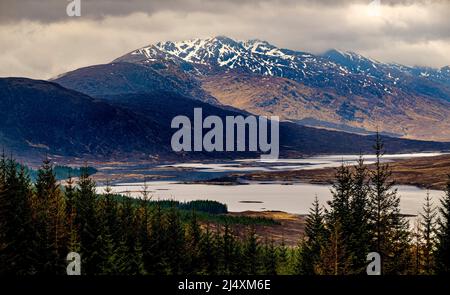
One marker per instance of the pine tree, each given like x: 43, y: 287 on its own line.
x: 127, y: 218
x: 428, y: 234
x: 175, y: 243
x: 342, y: 191
x: 17, y: 237
x: 105, y: 252
x: 283, y: 266
x: 73, y: 239
x: 417, y: 247
x: 137, y: 260
x: 229, y: 253
x: 53, y: 231
x: 145, y: 191
x: 71, y: 198
x: 251, y: 253
x: 121, y: 259
x: 193, y: 238
x: 70, y: 193
x: 359, y: 239
x: 389, y: 227
x: 443, y: 234
x: 86, y: 208
x: 339, y: 222
x: 334, y: 259
x: 105, y: 246
x: 270, y: 258
x: 111, y: 212
x: 208, y: 253
x: 310, y: 248
x: 155, y: 255
x: 143, y: 232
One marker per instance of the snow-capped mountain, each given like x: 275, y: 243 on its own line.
x: 347, y: 72
x: 335, y: 90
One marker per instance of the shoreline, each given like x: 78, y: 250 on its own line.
x: 424, y: 173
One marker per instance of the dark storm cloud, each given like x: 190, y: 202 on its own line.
x: 55, y: 10
x: 38, y: 39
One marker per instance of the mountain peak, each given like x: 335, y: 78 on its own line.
x: 224, y: 39
x: 349, y: 72
x: 351, y: 55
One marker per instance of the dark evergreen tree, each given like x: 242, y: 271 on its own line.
x: 105, y: 247
x: 310, y: 248
x: 390, y: 237
x: 112, y: 214
x: 86, y: 219
x: 417, y: 248
x: 358, y: 244
x: 342, y: 191
x: 137, y: 260
x: 155, y: 255
x: 339, y: 223
x: 18, y: 251
x: 176, y: 247
x: 143, y: 233
x: 269, y: 258
x: 122, y: 258
x: 70, y: 194
x: 209, y: 253
x: 251, y: 249
x: 334, y: 258
x: 53, y: 230
x: 283, y: 266
x: 128, y: 224
x: 193, y: 238
x: 443, y: 234
x: 107, y: 254
x: 229, y: 251
x: 428, y: 234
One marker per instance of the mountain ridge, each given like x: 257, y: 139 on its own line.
x: 343, y: 88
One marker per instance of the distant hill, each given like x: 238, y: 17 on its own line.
x: 295, y: 139
x: 40, y: 117
x: 44, y: 117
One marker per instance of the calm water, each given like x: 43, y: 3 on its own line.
x: 293, y: 198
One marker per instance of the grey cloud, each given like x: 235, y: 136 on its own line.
x: 55, y: 10
x: 41, y: 41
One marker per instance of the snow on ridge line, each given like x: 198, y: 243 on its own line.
x: 264, y: 58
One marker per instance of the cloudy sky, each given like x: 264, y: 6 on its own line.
x: 39, y: 40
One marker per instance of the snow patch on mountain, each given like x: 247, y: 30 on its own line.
x: 349, y: 72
